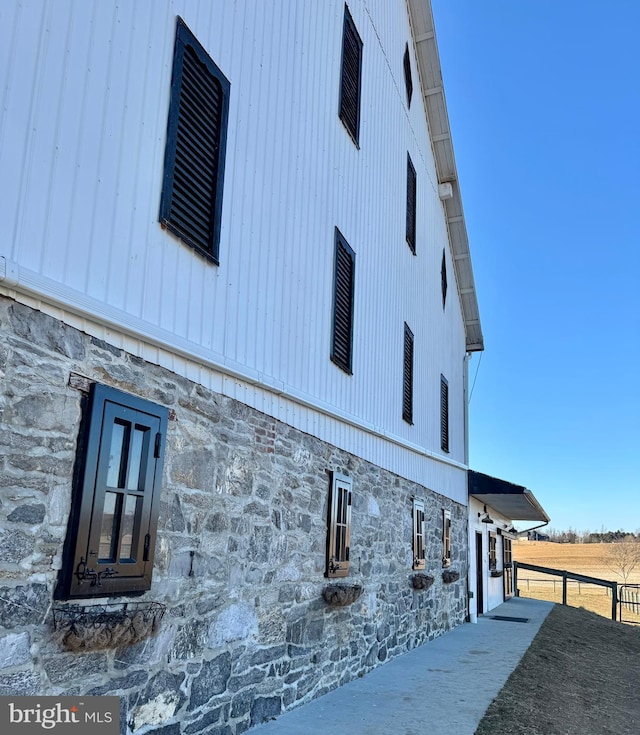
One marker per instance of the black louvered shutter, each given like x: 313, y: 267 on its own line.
x: 411, y: 205
x: 194, y: 159
x: 444, y: 414
x: 407, y: 75
x: 350, y: 79
x: 344, y: 273
x: 443, y: 279
x: 407, y: 381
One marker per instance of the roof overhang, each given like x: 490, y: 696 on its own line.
x: 430, y: 76
x: 515, y: 502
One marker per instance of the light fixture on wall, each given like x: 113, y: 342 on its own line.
x: 486, y: 518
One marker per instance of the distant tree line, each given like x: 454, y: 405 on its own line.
x: 571, y: 536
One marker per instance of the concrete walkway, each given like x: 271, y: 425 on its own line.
x: 441, y: 688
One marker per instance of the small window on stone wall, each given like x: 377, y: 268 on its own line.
x: 446, y: 538
x: 338, y: 526
x: 112, y: 529
x: 418, y: 534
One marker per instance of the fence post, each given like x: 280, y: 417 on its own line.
x: 515, y: 579
x: 614, y: 600
x: 564, y: 588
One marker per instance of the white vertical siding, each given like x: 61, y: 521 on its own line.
x: 85, y: 94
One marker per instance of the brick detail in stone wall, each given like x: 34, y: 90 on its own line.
x: 265, y: 433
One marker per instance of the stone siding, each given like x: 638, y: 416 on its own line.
x: 240, y: 555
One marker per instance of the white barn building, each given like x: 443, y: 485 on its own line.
x: 236, y: 309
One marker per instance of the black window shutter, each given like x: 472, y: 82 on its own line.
x: 191, y: 204
x: 411, y: 205
x: 407, y: 75
x: 418, y: 535
x: 344, y: 275
x: 407, y: 381
x: 110, y: 545
x: 443, y: 279
x: 444, y: 414
x: 446, y: 538
x: 350, y: 77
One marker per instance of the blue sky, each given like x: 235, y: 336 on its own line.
x: 544, y: 105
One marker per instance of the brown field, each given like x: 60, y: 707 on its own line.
x: 588, y: 559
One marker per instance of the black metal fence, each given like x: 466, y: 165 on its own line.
x: 629, y: 600
x: 566, y: 577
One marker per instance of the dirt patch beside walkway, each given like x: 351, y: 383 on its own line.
x: 579, y: 676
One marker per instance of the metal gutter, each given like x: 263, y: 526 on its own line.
x: 430, y: 77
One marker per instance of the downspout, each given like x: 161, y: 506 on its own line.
x: 472, y: 604
x: 533, y: 528
x: 465, y: 389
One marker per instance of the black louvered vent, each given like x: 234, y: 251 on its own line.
x: 350, y: 80
x: 343, y: 304
x: 407, y: 75
x: 443, y: 278
x: 197, y: 144
x: 407, y: 381
x: 411, y: 205
x: 194, y: 159
x: 444, y: 414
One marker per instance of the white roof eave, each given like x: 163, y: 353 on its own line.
x: 430, y: 77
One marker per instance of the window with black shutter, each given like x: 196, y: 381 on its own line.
x: 411, y: 205
x: 350, y: 77
x: 191, y: 203
x: 444, y: 414
x: 446, y: 538
x: 407, y: 75
x: 419, y: 549
x: 407, y: 376
x: 338, y: 526
x: 443, y: 279
x: 112, y: 530
x: 343, y: 288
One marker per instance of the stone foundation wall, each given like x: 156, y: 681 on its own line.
x: 240, y: 556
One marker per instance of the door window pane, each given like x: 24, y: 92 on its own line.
x: 117, y: 455
x: 135, y: 459
x: 128, y: 522
x: 109, y: 531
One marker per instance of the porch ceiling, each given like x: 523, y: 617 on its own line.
x: 513, y: 501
